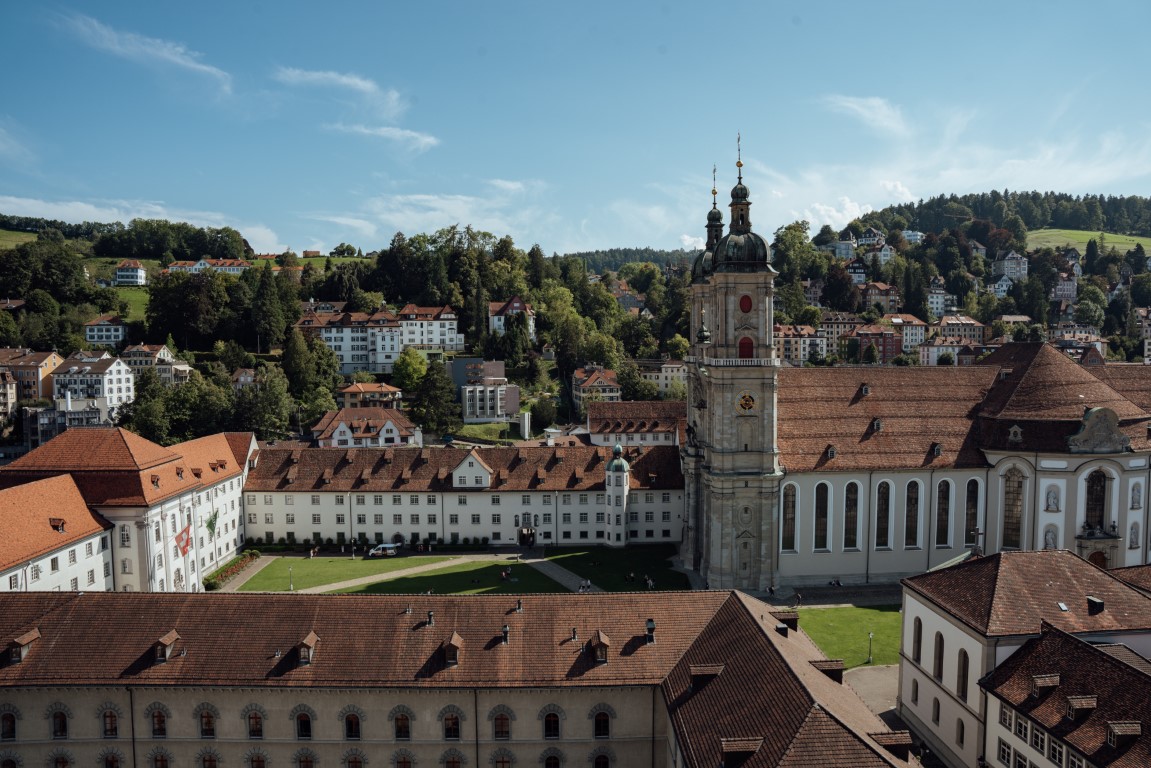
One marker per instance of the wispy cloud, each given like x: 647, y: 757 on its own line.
x: 504, y: 185
x: 873, y: 111
x: 413, y: 140
x: 386, y: 102
x: 150, y: 51
x: 13, y: 152
x: 366, y: 229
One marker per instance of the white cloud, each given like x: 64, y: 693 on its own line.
x: 873, y: 111
x: 819, y: 214
x: 386, y: 102
x: 144, y: 50
x: 418, y: 142
x: 897, y: 190
x: 361, y: 226
x: 692, y: 243
x: 507, y: 186
x: 262, y: 239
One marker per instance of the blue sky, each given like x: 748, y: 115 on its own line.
x: 575, y: 125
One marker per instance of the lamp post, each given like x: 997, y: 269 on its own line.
x: 870, y: 636
x: 290, y: 587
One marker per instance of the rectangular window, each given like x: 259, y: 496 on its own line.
x: 599, y: 516
x: 397, y: 519
x: 289, y: 499
x: 251, y: 498
x: 396, y: 499
x: 583, y: 516
x: 315, y: 499
x: 649, y: 516
x: 88, y: 549
x: 1020, y: 759
x: 461, y: 501
x: 583, y: 498
x: 475, y: 519
x: 431, y: 498
x: 268, y: 498
x: 339, y: 499
x: 339, y: 519
x: 1038, y: 740
x: 1003, y: 753
x: 526, y: 499
x: 1004, y: 716
x: 1055, y: 751
x: 566, y: 535
x: 495, y: 535
x: 1021, y: 728
x: 1075, y: 761
x: 378, y: 499
x: 547, y: 518
x: 567, y: 498
x: 431, y: 519
x: 453, y: 519
x: 496, y: 519
x: 315, y: 519
x: 566, y: 518
x: 414, y: 500
x: 290, y: 518
x: 361, y: 519
x: 547, y: 498
x: 583, y: 534
x: 251, y: 518
x: 599, y: 498
x: 54, y: 564
x: 360, y: 499
x: 666, y: 498
x: 649, y: 498
x: 495, y: 499
x: 415, y: 519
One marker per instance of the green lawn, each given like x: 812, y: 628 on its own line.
x: 841, y: 633
x: 608, y: 568
x: 10, y: 239
x: 467, y: 578
x: 315, y: 572
x: 137, y: 298
x: 490, y: 431
x: 1059, y: 238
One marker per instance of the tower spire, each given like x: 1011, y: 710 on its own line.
x: 714, y: 217
x: 738, y: 156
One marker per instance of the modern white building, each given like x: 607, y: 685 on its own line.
x: 86, y: 376
x: 372, y: 341
x: 105, y: 331
x: 913, y: 330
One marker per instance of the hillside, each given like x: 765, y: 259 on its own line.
x: 1077, y: 238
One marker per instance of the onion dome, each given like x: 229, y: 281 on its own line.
x: 618, y: 463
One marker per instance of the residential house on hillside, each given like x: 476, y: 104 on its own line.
x: 243, y: 377
x: 365, y: 428
x: 106, y: 331
x: 970, y: 621
x: 845, y: 246
x: 227, y: 266
x: 858, y: 270
x: 9, y: 393
x: 978, y: 248
x: 159, y: 358
x: 1000, y: 286
x: 1066, y: 288
x: 960, y: 326
x: 499, y: 311
x: 813, y: 291
x: 177, y: 511
x: 911, y: 328
x: 832, y: 325
x: 130, y: 272
x: 800, y: 343
x: 665, y: 374
x: 871, y: 237
x: 884, y: 339
x: 939, y: 301
x: 371, y: 394
x: 646, y: 423
x: 372, y: 341
x: 881, y: 295
x: 490, y: 399
x: 322, y: 307
x: 85, y: 376
x: 33, y: 371
x: 913, y: 237
x: 1012, y: 265
x: 594, y: 382
x: 882, y: 255
x: 930, y: 350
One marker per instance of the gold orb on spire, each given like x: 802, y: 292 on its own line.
x: 714, y: 192
x: 738, y: 163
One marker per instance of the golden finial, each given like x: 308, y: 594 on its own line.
x: 738, y: 152
x: 713, y: 192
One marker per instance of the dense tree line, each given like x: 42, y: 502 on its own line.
x: 167, y: 241
x: 88, y: 230
x: 613, y: 259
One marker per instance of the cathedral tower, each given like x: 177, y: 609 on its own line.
x: 731, y: 460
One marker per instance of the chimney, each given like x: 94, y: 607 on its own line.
x: 506, y: 631
x: 781, y: 629
x: 650, y: 626
x: 575, y: 635
x: 1094, y: 605
x: 519, y: 605
x: 431, y: 618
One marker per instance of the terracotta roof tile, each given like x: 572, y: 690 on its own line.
x: 1011, y: 593
x: 27, y: 513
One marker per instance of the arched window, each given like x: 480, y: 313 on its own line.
x: 59, y: 725
x: 209, y: 760
x: 207, y: 724
x: 746, y: 348
x: 851, y: 516
x: 971, y: 513
x: 111, y: 760
x: 501, y: 727
x: 452, y: 727
x: 355, y: 761
x: 1096, y: 499
x: 61, y: 761
x: 111, y: 724
x: 160, y: 760
x: 403, y: 725
x: 1012, y: 509
x: 911, y: 521
x: 821, y: 517
x: 306, y: 761
x: 352, y: 727
x: 257, y: 761
x: 602, y: 761
x: 8, y: 727
x: 787, y: 527
x: 917, y: 640
x: 551, y: 726
x: 883, y: 516
x: 303, y: 726
x: 502, y: 760
x: 962, y: 670
x: 159, y: 724
x: 943, y: 514
x: 960, y: 731
x: 602, y: 727
x: 937, y: 665
x: 255, y: 725
x: 551, y: 762
x: 452, y: 759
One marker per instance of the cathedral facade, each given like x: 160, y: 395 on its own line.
x: 867, y: 474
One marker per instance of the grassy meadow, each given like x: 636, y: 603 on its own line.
x: 315, y: 572
x: 1061, y: 238
x: 841, y: 633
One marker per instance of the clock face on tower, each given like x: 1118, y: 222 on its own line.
x: 745, y: 402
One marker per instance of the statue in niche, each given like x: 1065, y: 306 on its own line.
x: 1049, y: 538
x: 1052, y: 499
x: 1137, y: 496
x: 1133, y: 537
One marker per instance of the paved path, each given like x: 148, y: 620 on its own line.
x: 557, y: 573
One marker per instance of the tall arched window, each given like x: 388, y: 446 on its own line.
x: 501, y: 727
x: 937, y: 665
x: 962, y: 670
x: 159, y: 724
x: 551, y: 726
x: 883, y: 516
x: 255, y: 725
x: 746, y: 348
x: 403, y: 725
x: 111, y: 724
x: 305, y: 761
x: 352, y: 727
x: 602, y: 761
x: 160, y: 760
x: 303, y: 726
x: 257, y: 761
x: 821, y: 517
x: 943, y: 514
x: 787, y: 536
x: 1096, y: 499
x: 111, y: 760
x: 551, y: 762
x: 851, y: 516
x: 452, y: 727
x: 59, y: 725
x: 209, y: 760
x: 911, y: 521
x: 207, y: 724
x: 355, y: 761
x: 971, y: 513
x: 602, y: 725
x: 7, y: 727
x: 917, y: 640
x: 452, y: 759
x: 1012, y: 509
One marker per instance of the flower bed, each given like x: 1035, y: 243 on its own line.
x: 227, y: 572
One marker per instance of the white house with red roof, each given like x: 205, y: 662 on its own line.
x: 130, y: 272
x: 227, y: 266
x: 500, y: 311
x: 365, y: 427
x: 106, y: 331
x: 594, y: 382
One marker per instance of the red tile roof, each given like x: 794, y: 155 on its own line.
x: 27, y: 513
x: 1011, y: 593
x: 363, y: 422
x: 636, y: 416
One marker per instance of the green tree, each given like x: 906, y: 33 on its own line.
x: 265, y: 406
x: 409, y: 370
x: 298, y: 364
x: 945, y: 358
x: 1141, y: 290
x: 267, y: 312
x: 434, y: 403
x: 677, y: 347
x: 632, y: 385
x: 543, y: 412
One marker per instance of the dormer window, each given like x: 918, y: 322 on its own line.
x: 936, y: 450
x: 307, y: 648
x: 452, y: 648
x: 57, y: 524
x: 831, y: 451
x: 877, y: 425
x: 21, y: 645
x: 599, y: 646
x: 165, y: 645
x: 865, y: 390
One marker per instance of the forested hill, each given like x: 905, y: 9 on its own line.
x: 87, y: 230
x: 1035, y: 210
x: 614, y: 258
